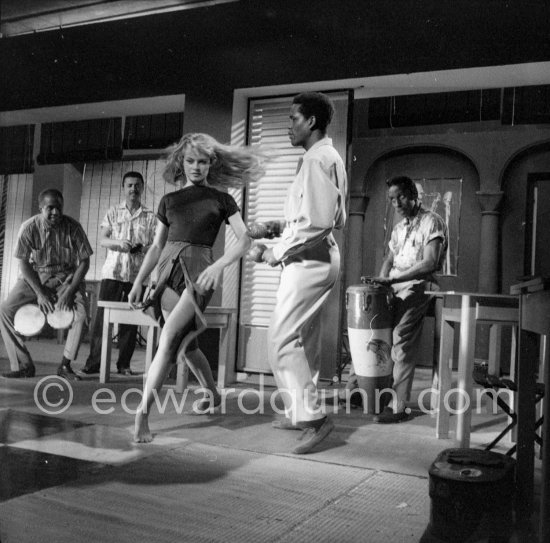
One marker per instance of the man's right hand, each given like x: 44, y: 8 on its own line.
x: 124, y: 246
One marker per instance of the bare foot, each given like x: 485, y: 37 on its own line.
x: 142, y: 434
x: 209, y: 404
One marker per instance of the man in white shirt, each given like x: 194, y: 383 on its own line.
x: 127, y: 231
x: 416, y: 252
x: 310, y: 259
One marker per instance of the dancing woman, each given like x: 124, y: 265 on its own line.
x: 188, y: 221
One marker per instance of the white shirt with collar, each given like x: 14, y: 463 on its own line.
x: 316, y: 200
x: 138, y: 228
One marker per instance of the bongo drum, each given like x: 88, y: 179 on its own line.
x: 370, y: 321
x: 60, y: 319
x: 29, y: 320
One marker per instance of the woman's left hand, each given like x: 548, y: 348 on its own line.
x: 210, y: 278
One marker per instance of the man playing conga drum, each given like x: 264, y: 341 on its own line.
x: 54, y: 256
x: 416, y: 252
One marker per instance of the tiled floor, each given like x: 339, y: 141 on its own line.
x: 74, y: 474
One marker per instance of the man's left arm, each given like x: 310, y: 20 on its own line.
x: 65, y: 296
x: 428, y: 265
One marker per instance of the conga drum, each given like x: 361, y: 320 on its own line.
x: 370, y: 321
x: 59, y: 319
x: 29, y: 320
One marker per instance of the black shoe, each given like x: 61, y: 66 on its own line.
x: 18, y: 374
x: 125, y: 371
x: 89, y: 370
x: 389, y: 417
x: 67, y: 373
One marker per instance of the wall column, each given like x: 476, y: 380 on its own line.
x: 488, y: 246
x: 354, y: 246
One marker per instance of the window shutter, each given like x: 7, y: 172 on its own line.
x: 264, y: 199
x: 268, y: 128
x: 152, y: 131
x: 80, y: 141
x: 16, y: 149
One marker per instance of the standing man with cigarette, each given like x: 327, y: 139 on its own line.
x: 127, y: 231
x: 310, y: 259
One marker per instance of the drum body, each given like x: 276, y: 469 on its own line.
x: 370, y: 323
x: 60, y: 318
x: 29, y: 320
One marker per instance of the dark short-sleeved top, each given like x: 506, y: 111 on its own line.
x: 52, y: 250
x: 195, y: 214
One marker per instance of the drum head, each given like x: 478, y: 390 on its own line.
x: 29, y: 320
x: 60, y: 318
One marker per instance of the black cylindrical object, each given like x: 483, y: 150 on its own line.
x: 472, y: 497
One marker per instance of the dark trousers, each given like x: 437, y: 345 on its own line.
x: 112, y: 291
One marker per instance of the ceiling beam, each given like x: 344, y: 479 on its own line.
x: 21, y: 21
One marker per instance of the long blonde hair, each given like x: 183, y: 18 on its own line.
x: 230, y: 166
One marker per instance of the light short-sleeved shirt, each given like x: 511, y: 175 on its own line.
x: 52, y: 250
x: 410, y: 237
x: 316, y: 200
x: 138, y: 228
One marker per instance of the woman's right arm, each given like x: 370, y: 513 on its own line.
x: 149, y: 262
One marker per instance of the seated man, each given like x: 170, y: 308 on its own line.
x: 54, y: 256
x: 416, y: 251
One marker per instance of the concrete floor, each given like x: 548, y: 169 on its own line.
x: 69, y: 471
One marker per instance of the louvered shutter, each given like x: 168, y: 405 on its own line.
x: 265, y: 199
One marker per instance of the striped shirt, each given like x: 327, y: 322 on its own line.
x: 52, y: 250
x: 139, y: 229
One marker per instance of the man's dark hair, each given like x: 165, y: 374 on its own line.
x: 406, y: 184
x: 318, y: 105
x: 136, y: 175
x: 53, y: 193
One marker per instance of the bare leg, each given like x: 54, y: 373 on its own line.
x: 199, y: 365
x: 170, y: 339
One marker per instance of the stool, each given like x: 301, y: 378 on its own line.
x: 496, y: 383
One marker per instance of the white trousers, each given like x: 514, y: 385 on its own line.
x: 294, y: 342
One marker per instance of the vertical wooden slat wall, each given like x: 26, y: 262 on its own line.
x: 19, y: 207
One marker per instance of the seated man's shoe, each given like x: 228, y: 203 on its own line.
x: 388, y: 416
x: 285, y: 424
x: 90, y: 370
x: 313, y: 436
x: 125, y: 371
x: 67, y: 373
x: 19, y: 374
